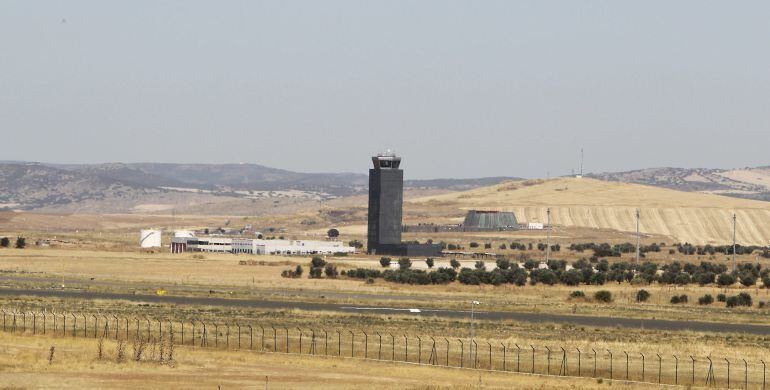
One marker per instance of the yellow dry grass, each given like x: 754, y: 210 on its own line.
x: 24, y: 364
x: 685, y: 216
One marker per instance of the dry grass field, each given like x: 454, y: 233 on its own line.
x: 687, y: 217
x: 24, y: 362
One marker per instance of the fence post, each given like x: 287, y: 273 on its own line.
x: 148, y: 328
x: 3, y: 310
x: 64, y: 324
x: 642, y: 366
x: 312, y: 341
x: 300, y: 340
x: 503, y: 355
x: 34, y: 323
x: 476, y: 355
x: 392, y: 347
x: 275, y: 339
x: 352, y: 345
x: 518, y: 357
x: 251, y: 337
x: 693, y: 369
x: 764, y: 370
x: 74, y: 325
x: 193, y: 333
x: 326, y: 343
x: 43, y: 313
x: 366, y: 345
x: 533, y: 358
x: 117, y: 327
x: 728, y: 373
x: 447, y: 351
x: 626, y: 353
x: 676, y: 370
x: 745, y: 374
x: 564, y: 367
x: 419, y: 350
x: 462, y: 352
x: 239, y: 334
x: 548, y: 367
x: 490, y: 355
x: 594, y: 375
x: 287, y: 339
x: 227, y: 335
x: 379, y: 350
x: 610, y: 352
x: 710, y: 375
x: 23, y: 321
x: 406, y: 348
x: 578, y: 350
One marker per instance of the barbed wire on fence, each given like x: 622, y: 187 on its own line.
x: 463, y: 353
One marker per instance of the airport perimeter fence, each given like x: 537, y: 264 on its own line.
x: 479, y: 354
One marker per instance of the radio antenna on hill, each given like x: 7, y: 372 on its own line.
x: 580, y: 175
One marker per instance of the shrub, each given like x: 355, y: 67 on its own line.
x: 766, y: 281
x: 474, y: 245
x: 331, y: 271
x: 531, y: 264
x: 721, y: 298
x: 706, y: 300
x: 577, y: 294
x: 725, y: 279
x: 355, y: 244
x: 429, y: 262
x: 298, y: 271
x: 5, y: 242
x: 317, y: 261
x: 545, y: 276
x: 333, y: 233
x: 503, y: 264
x: 454, y: 263
x: 642, y: 295
x: 315, y: 272
x: 480, y: 265
x: 603, y: 296
x: 363, y: 273
x: 572, y: 277
x: 748, y: 280
x: 503, y: 247
x: 385, y: 262
x: 487, y: 246
x: 679, y: 299
x: 404, y: 263
x: 21, y: 243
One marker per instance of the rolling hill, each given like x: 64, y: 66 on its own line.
x: 685, y: 216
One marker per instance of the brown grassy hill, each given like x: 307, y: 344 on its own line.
x: 684, y: 216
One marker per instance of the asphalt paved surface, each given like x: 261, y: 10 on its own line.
x: 655, y: 324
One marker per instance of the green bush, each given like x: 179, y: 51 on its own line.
x: 404, y: 263
x: 725, y: 279
x: 603, y: 296
x: 474, y: 245
x: 429, y: 262
x: 5, y: 242
x: 480, y: 265
x: 642, y: 295
x: 577, y: 294
x: 721, y: 298
x: 317, y: 261
x: 679, y: 299
x: 706, y: 300
x: 385, y: 262
x: 454, y: 263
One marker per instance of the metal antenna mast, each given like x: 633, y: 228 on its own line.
x: 581, y: 162
x: 548, y: 235
x: 735, y: 266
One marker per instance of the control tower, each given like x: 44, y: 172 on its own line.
x: 386, y: 198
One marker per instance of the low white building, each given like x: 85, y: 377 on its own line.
x: 258, y: 247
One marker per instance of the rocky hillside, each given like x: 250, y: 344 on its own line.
x: 751, y: 183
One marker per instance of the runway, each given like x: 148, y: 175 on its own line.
x: 593, y: 321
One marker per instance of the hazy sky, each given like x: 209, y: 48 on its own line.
x: 458, y: 88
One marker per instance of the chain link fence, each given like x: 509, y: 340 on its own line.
x: 480, y: 354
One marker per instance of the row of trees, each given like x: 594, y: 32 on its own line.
x: 593, y: 272
x: 21, y: 242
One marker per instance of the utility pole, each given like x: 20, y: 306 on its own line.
x: 638, y: 243
x: 548, y: 235
x: 735, y: 266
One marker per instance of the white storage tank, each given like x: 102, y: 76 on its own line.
x: 149, y: 238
